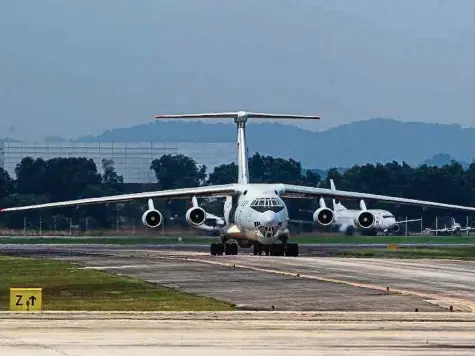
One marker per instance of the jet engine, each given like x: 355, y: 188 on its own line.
x: 364, y: 220
x: 323, y: 216
x: 395, y: 229
x: 152, y: 218
x: 196, y: 216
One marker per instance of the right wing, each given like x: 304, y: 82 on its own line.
x: 298, y: 191
x: 183, y: 193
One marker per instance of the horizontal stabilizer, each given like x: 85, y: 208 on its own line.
x: 237, y: 114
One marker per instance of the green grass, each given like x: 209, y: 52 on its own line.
x: 455, y: 253
x: 67, y: 287
x: 113, y: 240
x: 336, y: 239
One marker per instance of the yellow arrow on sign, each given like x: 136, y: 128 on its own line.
x: 26, y: 299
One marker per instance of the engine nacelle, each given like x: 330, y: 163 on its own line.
x: 152, y: 218
x: 365, y: 220
x: 196, y: 216
x: 324, y: 216
x: 395, y: 229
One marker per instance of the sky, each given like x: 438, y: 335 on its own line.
x: 78, y: 67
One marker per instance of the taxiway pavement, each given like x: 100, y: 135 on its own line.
x: 237, y: 333
x: 283, y: 283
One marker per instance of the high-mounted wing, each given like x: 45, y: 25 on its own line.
x: 184, y: 193
x: 297, y: 191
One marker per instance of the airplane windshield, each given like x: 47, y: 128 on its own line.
x: 264, y: 204
x: 388, y: 216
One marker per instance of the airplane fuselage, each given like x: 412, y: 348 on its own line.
x: 258, y: 214
x: 383, y: 219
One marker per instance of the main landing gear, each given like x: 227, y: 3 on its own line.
x: 281, y: 249
x: 288, y: 249
x: 223, y: 248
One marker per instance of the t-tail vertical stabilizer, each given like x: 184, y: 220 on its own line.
x: 337, y: 206
x: 240, y: 119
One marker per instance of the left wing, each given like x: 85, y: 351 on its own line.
x: 297, y: 191
x: 183, y: 193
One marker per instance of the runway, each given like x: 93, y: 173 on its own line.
x: 319, y: 305
x: 237, y: 333
x: 280, y: 283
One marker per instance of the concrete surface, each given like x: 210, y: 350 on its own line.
x: 255, y: 289
x: 237, y: 333
x: 303, y: 283
x: 386, y: 323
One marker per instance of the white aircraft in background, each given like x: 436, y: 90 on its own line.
x: 364, y: 219
x: 454, y: 229
x: 369, y: 221
x: 254, y: 213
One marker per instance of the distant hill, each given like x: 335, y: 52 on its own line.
x: 443, y: 159
x: 369, y: 141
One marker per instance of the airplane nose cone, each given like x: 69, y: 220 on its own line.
x: 268, y: 218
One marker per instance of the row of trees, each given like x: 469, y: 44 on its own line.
x: 38, y: 181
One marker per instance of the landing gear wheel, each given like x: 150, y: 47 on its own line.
x: 277, y: 250
x: 213, y: 249
x: 257, y: 250
x: 231, y: 249
x: 216, y: 249
x: 292, y: 250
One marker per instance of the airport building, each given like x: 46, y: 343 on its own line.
x: 131, y: 159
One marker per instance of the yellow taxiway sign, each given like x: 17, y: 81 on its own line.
x: 26, y: 299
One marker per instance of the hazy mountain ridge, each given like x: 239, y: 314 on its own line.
x: 368, y: 141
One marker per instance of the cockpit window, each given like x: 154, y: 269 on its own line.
x: 264, y: 204
x: 388, y: 216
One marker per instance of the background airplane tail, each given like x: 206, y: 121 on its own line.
x: 337, y: 206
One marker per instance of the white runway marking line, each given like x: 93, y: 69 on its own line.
x: 118, y: 267
x: 443, y: 301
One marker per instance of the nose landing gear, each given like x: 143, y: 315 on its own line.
x: 223, y: 248
x: 287, y: 249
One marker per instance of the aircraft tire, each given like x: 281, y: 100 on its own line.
x: 292, y: 250
x: 277, y: 250
x: 216, y: 249
x: 213, y: 249
x: 257, y: 250
x: 231, y: 249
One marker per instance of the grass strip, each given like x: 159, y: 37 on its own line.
x: 69, y: 287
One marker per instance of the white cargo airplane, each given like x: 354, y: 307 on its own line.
x: 254, y: 213
x: 368, y: 220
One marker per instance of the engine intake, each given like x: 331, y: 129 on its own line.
x: 152, y: 218
x: 196, y: 216
x: 365, y: 220
x: 395, y: 228
x: 323, y: 216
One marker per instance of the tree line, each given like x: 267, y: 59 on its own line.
x: 38, y: 181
